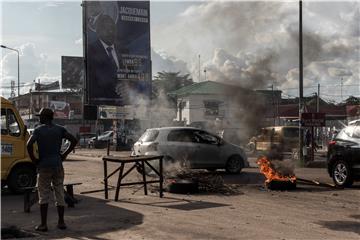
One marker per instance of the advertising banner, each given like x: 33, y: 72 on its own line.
x: 72, y: 72
x: 110, y: 112
x: 61, y: 109
x: 118, y: 70
x: 313, y: 119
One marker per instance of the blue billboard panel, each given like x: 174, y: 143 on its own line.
x: 117, y: 52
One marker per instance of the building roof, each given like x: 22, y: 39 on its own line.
x: 204, y: 88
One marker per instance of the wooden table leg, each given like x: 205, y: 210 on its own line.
x: 119, y: 182
x: 161, y: 176
x: 144, y: 177
x: 27, y: 201
x: 106, y: 180
x: 70, y: 192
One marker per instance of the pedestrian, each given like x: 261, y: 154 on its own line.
x: 48, y: 137
x: 308, y: 138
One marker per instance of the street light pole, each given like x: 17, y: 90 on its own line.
x: 17, y: 51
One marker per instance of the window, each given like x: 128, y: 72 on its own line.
x: 207, y: 138
x: 149, y: 136
x: 9, y: 123
x: 291, y: 132
x: 13, y: 125
x: 180, y: 136
x: 4, y: 130
x: 212, y: 107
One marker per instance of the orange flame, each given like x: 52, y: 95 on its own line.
x: 270, y: 173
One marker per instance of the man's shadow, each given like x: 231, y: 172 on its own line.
x: 90, y: 217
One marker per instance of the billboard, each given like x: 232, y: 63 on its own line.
x: 118, y: 64
x: 61, y: 109
x: 72, y: 72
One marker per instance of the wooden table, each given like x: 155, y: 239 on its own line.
x: 137, y: 162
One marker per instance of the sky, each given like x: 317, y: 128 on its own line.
x: 251, y: 44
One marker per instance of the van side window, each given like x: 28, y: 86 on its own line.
x: 13, y: 124
x: 4, y: 130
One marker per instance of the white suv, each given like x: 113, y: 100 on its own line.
x: 195, y: 147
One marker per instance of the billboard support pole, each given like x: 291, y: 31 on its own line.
x: 301, y: 134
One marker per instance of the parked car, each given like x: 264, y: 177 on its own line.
x: 343, y: 157
x: 101, y: 140
x: 197, y: 148
x: 284, y: 138
x: 84, y: 139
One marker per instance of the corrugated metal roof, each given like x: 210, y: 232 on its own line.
x: 208, y: 87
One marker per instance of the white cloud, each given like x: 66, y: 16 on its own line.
x: 161, y: 61
x: 256, y: 43
x: 32, y: 65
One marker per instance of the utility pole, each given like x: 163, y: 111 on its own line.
x: 318, y: 99
x: 205, y: 74
x: 301, y: 134
x: 199, y: 70
x: 341, y: 88
x: 273, y: 102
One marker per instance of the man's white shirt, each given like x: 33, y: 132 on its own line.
x: 113, y: 53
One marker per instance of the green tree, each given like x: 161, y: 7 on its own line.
x: 169, y: 81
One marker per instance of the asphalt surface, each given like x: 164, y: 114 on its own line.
x: 244, y: 210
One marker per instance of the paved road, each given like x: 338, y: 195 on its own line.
x: 248, y: 211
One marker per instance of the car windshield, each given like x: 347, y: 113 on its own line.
x: 149, y: 135
x: 349, y: 132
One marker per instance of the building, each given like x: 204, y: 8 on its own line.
x: 228, y: 110
x: 67, y: 107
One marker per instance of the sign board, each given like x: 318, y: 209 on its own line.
x: 61, y: 109
x: 118, y: 57
x: 72, y: 72
x: 6, y: 149
x: 313, y: 119
x: 108, y: 112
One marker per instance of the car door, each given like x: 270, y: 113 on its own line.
x: 207, y: 152
x: 181, y: 147
x: 12, y: 139
x: 355, y: 149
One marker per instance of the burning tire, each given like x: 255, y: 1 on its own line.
x: 234, y: 164
x: 341, y: 174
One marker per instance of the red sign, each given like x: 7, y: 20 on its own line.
x: 85, y: 129
x: 313, y: 119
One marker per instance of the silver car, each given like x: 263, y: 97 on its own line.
x: 196, y: 148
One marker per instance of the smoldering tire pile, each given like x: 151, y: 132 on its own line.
x: 202, y: 182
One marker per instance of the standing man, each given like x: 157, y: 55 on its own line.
x: 48, y: 137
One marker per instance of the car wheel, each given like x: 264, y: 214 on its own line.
x: 21, y: 177
x: 234, y: 164
x: 341, y: 174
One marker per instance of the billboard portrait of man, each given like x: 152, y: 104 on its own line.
x: 104, y: 61
x: 117, y: 52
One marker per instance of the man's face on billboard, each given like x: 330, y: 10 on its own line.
x: 106, y: 29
